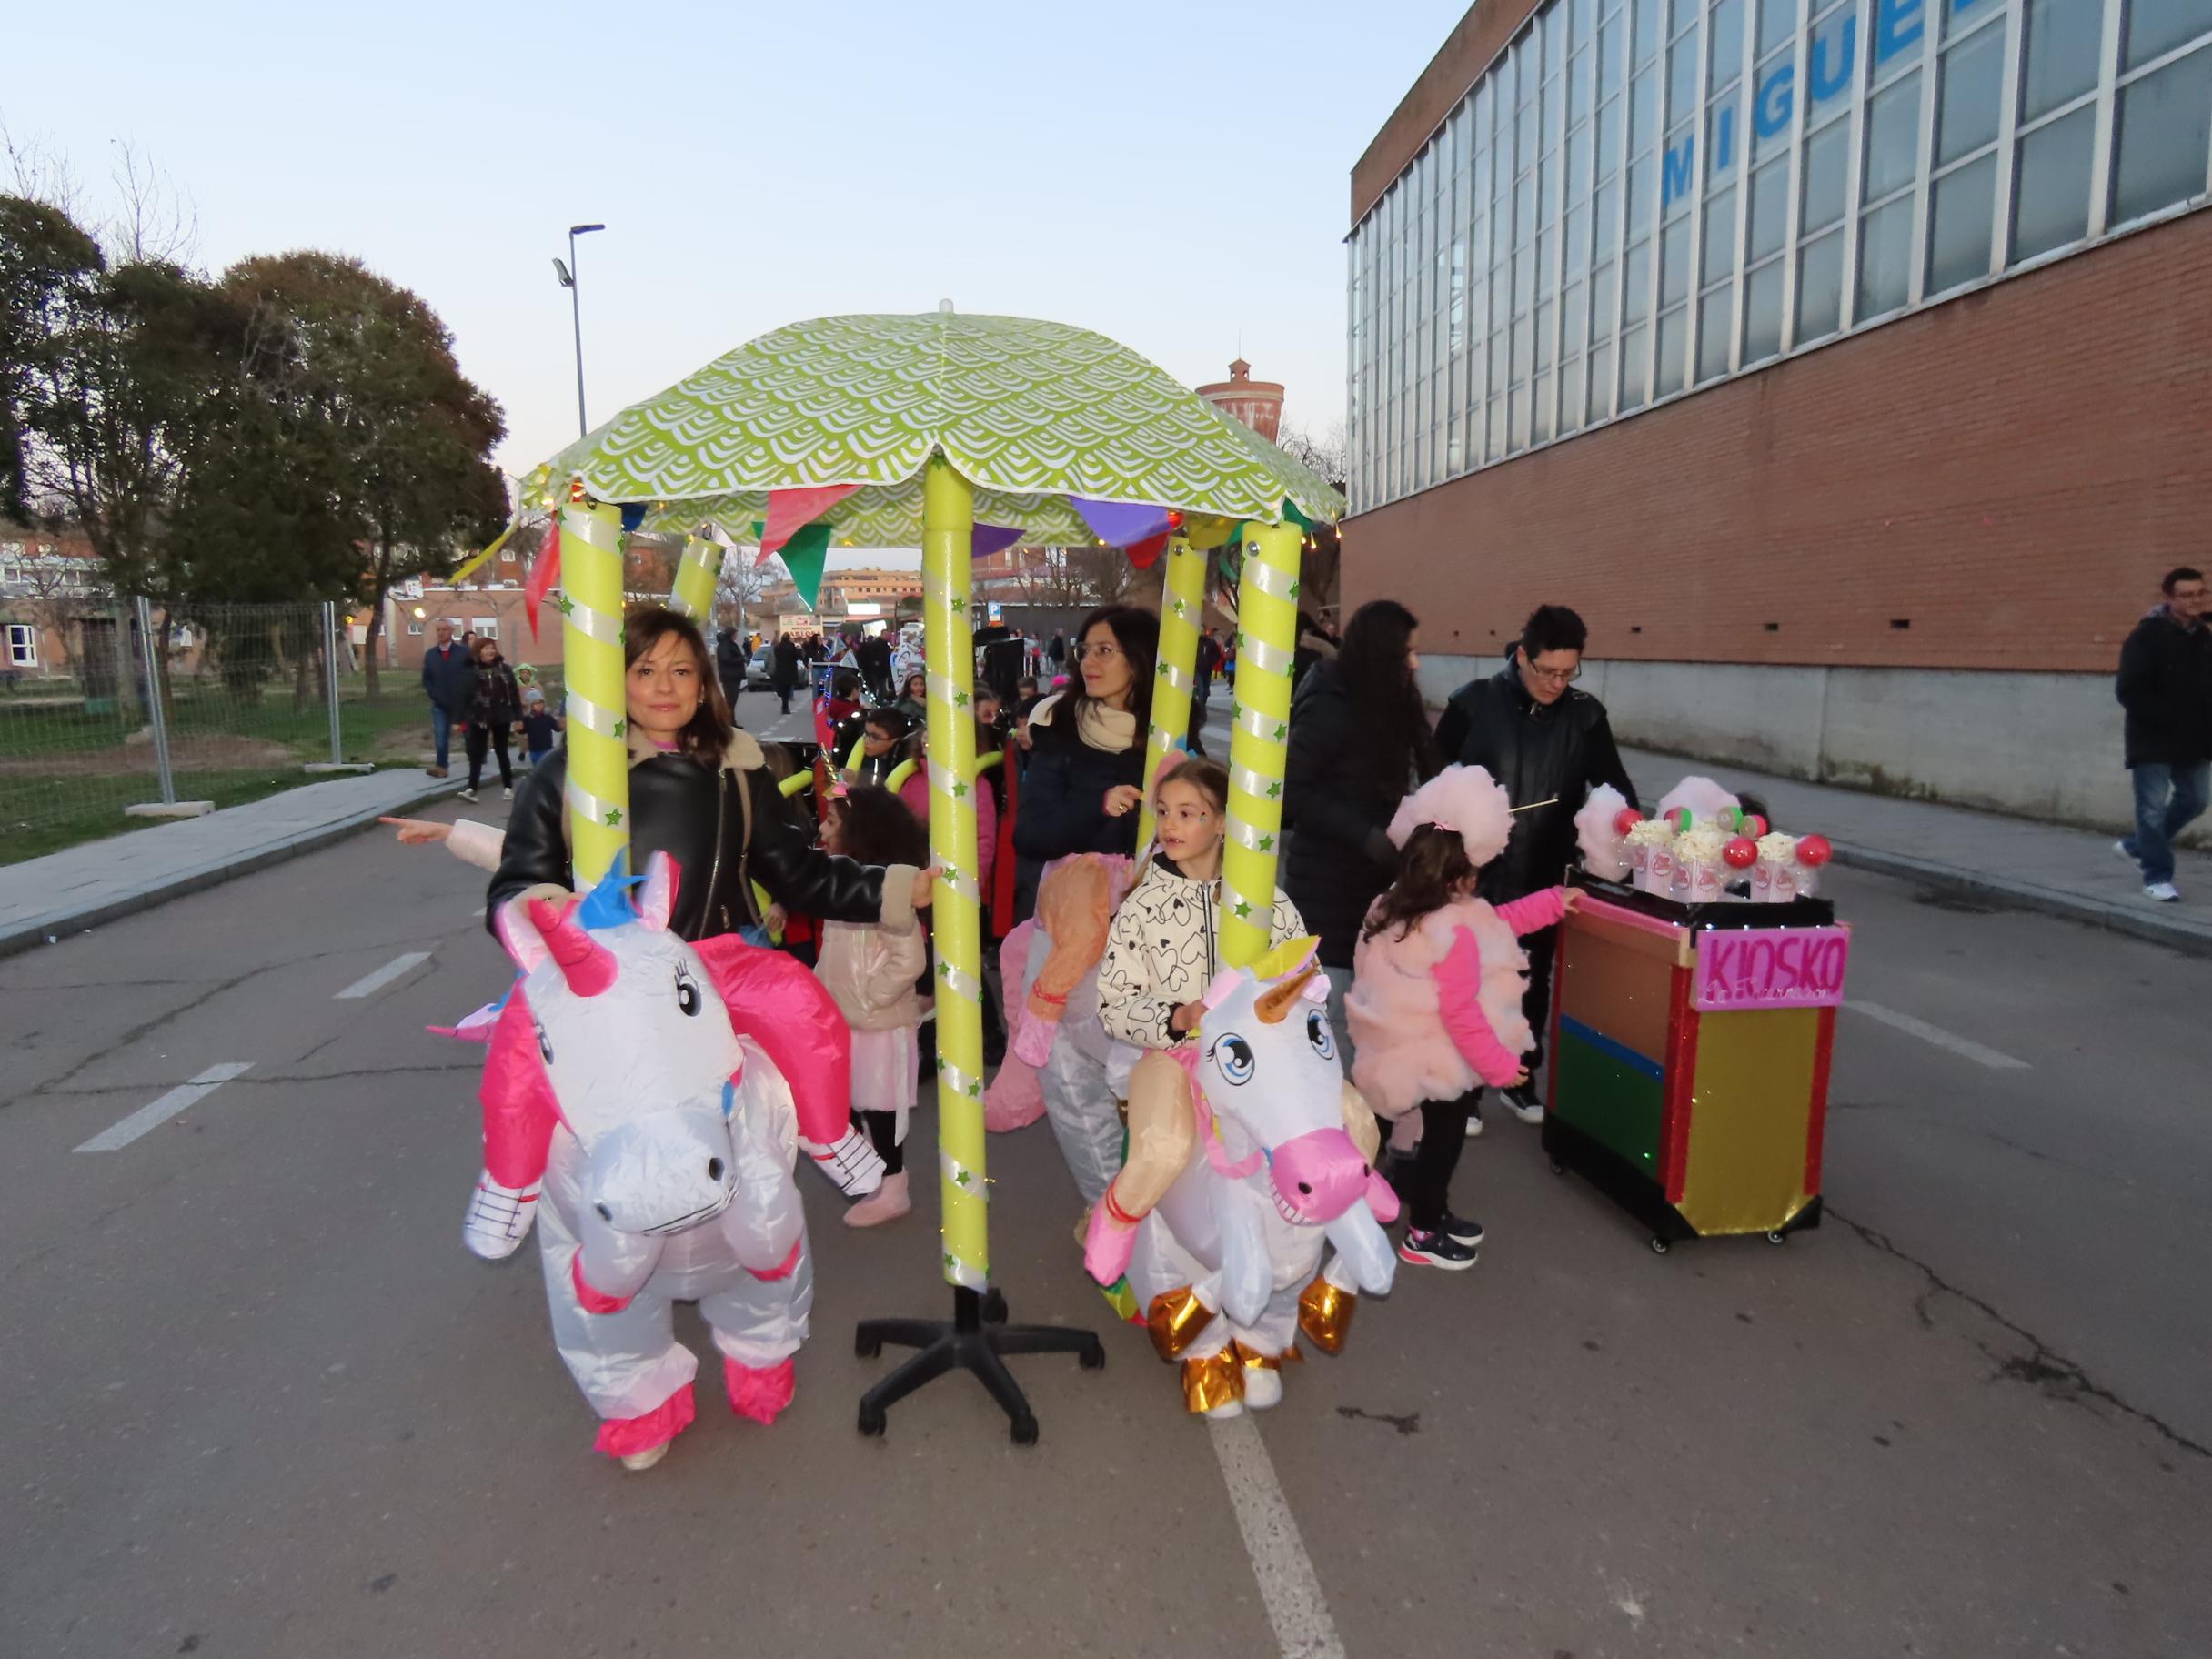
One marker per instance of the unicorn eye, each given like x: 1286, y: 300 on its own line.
x: 686, y: 992
x: 545, y: 1046
x: 1319, y: 1034
x: 1233, y: 1055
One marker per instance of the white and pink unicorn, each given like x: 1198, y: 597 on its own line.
x: 1249, y: 1152
x: 653, y: 1094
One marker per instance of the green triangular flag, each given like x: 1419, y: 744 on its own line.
x: 804, y: 556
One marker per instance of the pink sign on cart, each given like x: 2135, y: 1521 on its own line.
x: 1748, y: 968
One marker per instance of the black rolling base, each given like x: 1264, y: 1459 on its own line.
x: 977, y: 1339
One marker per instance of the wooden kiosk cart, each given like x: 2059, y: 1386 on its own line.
x: 1689, y: 1047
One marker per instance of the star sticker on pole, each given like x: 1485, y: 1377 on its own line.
x: 1267, y: 843
x: 1274, y: 790
x: 960, y: 699
x: 621, y: 728
x: 1281, y: 732
x: 960, y: 791
x: 564, y: 604
x: 613, y: 817
x: 1244, y: 910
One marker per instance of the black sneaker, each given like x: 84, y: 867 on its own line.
x: 1436, y: 1250
x: 1523, y: 1101
x: 1467, y: 1232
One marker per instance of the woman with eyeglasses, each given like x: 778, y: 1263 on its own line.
x: 1550, y: 745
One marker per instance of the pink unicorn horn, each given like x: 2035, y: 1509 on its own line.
x: 588, y: 965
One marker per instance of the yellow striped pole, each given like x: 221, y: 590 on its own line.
x: 947, y: 526
x: 1267, y: 632
x: 590, y: 603
x: 1182, y: 604
x: 696, y: 572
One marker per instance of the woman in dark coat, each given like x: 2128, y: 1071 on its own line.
x: 1359, y: 743
x: 1084, y: 786
x: 495, y: 707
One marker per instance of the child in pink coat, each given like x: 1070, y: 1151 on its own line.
x: 1435, y: 1000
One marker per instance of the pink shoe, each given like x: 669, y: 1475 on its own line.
x: 760, y: 1394
x: 888, y: 1203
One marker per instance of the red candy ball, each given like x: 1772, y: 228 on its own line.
x: 1814, y: 849
x: 1625, y: 819
x: 1742, y: 853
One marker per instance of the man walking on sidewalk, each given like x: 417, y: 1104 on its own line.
x: 449, y: 680
x: 1549, y: 746
x: 2166, y: 685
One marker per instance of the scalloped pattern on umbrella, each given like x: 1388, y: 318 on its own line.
x: 877, y: 517
x: 1027, y: 411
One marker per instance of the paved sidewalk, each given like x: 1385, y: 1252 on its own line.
x: 81, y: 887
x: 2008, y: 861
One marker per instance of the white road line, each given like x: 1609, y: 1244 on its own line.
x: 1963, y: 1046
x: 160, y: 1112
x: 1288, y: 1584
x: 384, y: 976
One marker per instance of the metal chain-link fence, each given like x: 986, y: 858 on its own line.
x: 110, y: 704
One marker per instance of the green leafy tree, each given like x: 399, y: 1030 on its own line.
x: 405, y: 436
x: 46, y: 260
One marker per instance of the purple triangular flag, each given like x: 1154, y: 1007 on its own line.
x: 1119, y: 522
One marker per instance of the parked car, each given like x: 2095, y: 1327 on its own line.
x: 761, y: 673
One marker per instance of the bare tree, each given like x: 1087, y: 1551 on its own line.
x: 739, y: 588
x: 156, y: 220
x: 1327, y: 453
x: 1075, y: 576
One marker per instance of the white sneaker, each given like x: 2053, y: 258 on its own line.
x: 2120, y: 851
x: 499, y: 1218
x: 1474, y: 1123
x: 507, y: 794
x: 468, y: 795
x: 638, y: 1462
x: 2162, y: 892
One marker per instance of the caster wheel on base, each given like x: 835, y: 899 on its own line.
x: 1092, y: 1358
x: 1777, y: 1238
x: 1558, y: 1168
x: 872, y: 1422
x: 1660, y: 1247
x: 865, y: 1347
x: 1024, y: 1430
x: 994, y: 1307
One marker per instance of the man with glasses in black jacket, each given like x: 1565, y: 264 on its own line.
x: 1547, y: 743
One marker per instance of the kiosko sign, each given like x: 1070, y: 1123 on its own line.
x: 1748, y: 967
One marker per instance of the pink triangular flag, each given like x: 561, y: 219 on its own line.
x: 791, y: 511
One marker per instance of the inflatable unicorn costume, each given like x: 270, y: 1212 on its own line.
x: 654, y: 1094
x: 1249, y: 1152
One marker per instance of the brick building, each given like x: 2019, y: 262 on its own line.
x: 1848, y: 364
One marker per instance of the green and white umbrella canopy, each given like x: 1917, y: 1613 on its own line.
x: 1032, y: 414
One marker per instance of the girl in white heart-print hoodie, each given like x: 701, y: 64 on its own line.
x: 1437, y: 982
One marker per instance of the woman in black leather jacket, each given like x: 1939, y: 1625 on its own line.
x: 700, y: 792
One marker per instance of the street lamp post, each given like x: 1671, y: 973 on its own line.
x: 566, y: 272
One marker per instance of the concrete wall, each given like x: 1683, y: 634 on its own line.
x: 2038, y: 746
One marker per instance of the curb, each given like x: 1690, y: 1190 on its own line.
x: 28, y: 935
x: 2192, y: 938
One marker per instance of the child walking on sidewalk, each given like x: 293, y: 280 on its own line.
x: 1435, y: 1000
x: 871, y: 969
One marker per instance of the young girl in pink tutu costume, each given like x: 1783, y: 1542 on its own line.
x: 1435, y: 1000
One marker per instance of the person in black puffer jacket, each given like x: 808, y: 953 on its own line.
x: 1084, y: 786
x: 1546, y: 743
x: 1358, y: 741
x: 495, y: 707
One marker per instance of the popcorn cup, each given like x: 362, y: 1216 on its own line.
x: 1706, y: 883
x: 1639, y: 861
x: 1773, y: 881
x: 1659, y: 872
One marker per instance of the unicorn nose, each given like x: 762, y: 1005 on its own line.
x: 1320, y: 1174
x: 714, y: 1169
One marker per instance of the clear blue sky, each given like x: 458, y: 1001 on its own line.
x: 1173, y: 174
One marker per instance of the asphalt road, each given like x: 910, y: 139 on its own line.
x: 258, y: 1402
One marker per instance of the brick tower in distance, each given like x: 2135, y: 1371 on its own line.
x: 1257, y: 403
